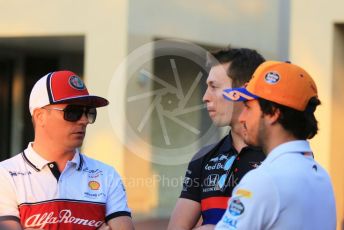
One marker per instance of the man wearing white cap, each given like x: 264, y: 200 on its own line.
x: 289, y: 190
x: 51, y: 185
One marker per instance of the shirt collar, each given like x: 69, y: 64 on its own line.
x: 298, y: 146
x: 228, y: 146
x: 38, y: 162
x: 77, y: 160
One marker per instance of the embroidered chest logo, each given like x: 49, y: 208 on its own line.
x: 93, y: 173
x: 216, y: 163
x: 211, y: 180
x: 94, y: 185
x: 18, y: 173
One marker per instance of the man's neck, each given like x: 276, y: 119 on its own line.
x: 237, y: 141
x: 277, y: 136
x: 54, y: 154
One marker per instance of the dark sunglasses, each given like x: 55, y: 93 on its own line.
x: 73, y: 113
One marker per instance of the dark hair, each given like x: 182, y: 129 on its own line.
x: 302, y: 124
x: 243, y: 63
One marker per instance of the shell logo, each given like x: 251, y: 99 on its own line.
x: 94, y: 185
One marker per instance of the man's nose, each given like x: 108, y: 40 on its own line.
x: 206, y: 96
x: 242, y: 116
x: 84, y: 119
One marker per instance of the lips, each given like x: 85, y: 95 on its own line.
x: 211, y: 112
x: 79, y: 133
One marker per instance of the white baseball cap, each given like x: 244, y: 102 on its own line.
x: 62, y: 87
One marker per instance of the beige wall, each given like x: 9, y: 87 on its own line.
x: 312, y: 46
x: 251, y: 23
x: 104, y: 49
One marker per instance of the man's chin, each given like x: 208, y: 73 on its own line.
x: 252, y: 144
x: 77, y: 144
x: 220, y: 124
x: 249, y: 142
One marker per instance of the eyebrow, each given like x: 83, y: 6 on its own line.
x: 211, y: 82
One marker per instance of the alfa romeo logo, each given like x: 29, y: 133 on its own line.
x: 76, y: 82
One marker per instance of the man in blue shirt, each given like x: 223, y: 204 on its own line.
x: 289, y: 190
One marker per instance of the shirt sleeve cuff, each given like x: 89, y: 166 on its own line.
x: 13, y: 218
x: 189, y: 197
x: 117, y: 214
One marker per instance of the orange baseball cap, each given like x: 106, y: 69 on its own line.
x: 281, y: 82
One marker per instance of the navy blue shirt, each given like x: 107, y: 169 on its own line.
x: 213, y: 173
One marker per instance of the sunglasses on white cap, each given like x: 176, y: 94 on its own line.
x: 74, y: 113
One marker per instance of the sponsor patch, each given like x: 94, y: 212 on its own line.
x: 93, y: 173
x: 236, y: 208
x: 243, y: 193
x: 94, y: 185
x: 230, y: 222
x: 272, y: 77
x: 58, y: 214
x: 18, y: 173
x: 254, y: 164
x: 211, y: 180
x: 76, y: 83
x: 90, y: 195
x: 218, y: 158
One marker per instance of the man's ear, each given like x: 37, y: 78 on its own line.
x: 273, y: 118
x: 38, y: 117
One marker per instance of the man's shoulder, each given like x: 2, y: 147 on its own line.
x: 207, y: 150
x: 203, y: 151
x: 12, y: 166
x: 259, y: 177
x: 12, y: 162
x: 93, y: 164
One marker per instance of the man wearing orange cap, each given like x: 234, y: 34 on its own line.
x: 51, y: 185
x: 289, y: 190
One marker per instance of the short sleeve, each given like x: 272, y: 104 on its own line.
x: 254, y: 204
x: 8, y: 200
x: 116, y: 204
x: 193, y: 177
x: 192, y: 181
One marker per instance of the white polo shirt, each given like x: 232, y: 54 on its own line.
x: 83, y: 196
x: 288, y: 191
